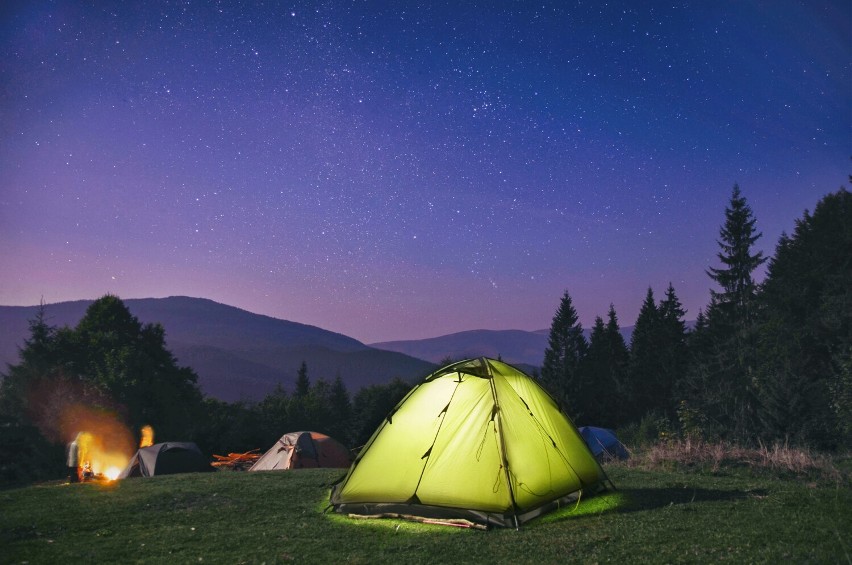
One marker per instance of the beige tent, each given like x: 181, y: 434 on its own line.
x: 300, y: 450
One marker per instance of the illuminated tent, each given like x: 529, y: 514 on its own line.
x: 603, y: 443
x: 476, y: 440
x: 299, y: 450
x: 166, y: 459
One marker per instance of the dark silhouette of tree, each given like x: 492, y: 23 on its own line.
x: 560, y: 373
x: 371, y: 405
x: 275, y: 415
x: 597, y: 378
x: 619, y: 359
x: 736, y: 238
x: 604, y: 373
x: 720, y: 380
x: 109, y: 362
x: 673, y: 357
x: 303, y: 383
x: 235, y: 427
x: 129, y: 361
x: 644, y: 385
x: 341, y: 408
x: 806, y: 329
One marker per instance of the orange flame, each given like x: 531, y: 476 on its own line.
x: 98, y: 457
x: 147, y: 436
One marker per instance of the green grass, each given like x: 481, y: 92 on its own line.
x: 736, y: 515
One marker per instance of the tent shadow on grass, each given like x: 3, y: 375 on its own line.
x: 642, y: 499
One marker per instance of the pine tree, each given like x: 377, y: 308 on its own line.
x: 737, y: 236
x: 597, y: 377
x: 619, y: 356
x: 604, y: 369
x: 303, y: 383
x: 673, y: 349
x: 644, y: 386
x: 721, y: 374
x: 806, y: 329
x: 341, y: 409
x: 560, y: 373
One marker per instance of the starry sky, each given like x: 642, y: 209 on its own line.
x: 401, y: 170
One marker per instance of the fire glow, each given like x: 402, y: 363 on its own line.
x: 97, y: 460
x: 104, y: 442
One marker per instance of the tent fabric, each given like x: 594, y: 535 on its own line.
x: 166, y: 459
x: 298, y: 450
x: 603, y: 443
x: 478, y: 440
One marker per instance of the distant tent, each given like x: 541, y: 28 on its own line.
x: 603, y: 443
x: 298, y: 450
x: 476, y: 440
x: 166, y: 459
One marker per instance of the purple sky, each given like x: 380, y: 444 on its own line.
x: 401, y: 170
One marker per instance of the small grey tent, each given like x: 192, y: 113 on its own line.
x: 166, y: 459
x: 298, y: 450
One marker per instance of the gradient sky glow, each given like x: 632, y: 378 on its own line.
x: 401, y: 170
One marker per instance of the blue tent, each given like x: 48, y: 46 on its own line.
x: 603, y: 443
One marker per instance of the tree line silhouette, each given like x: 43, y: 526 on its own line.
x: 767, y: 361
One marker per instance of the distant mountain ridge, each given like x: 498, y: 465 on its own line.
x: 237, y: 354
x: 513, y: 346
x: 517, y: 347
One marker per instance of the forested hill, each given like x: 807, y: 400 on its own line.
x: 237, y: 354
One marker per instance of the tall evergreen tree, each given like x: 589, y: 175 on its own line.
x: 129, y: 361
x: 303, y: 383
x: 673, y: 349
x: 341, y: 409
x: 596, y: 377
x: 560, y: 373
x: 604, y: 369
x: 644, y: 386
x: 736, y: 238
x: 721, y: 375
x: 806, y: 329
x: 619, y: 358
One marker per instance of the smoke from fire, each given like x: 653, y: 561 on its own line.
x: 63, y: 409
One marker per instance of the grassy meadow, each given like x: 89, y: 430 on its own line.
x: 689, y: 503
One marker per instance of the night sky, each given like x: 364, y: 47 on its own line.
x: 402, y: 170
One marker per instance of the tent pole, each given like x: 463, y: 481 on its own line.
x: 499, y: 427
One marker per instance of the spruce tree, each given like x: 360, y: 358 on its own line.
x: 597, y: 377
x: 560, y: 373
x: 341, y: 410
x: 619, y: 356
x: 722, y: 371
x: 303, y: 383
x: 673, y: 349
x: 644, y: 387
x: 736, y: 238
x: 604, y: 369
x: 805, y: 329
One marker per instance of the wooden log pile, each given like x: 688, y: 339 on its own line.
x: 236, y: 461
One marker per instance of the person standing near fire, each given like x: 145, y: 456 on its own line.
x: 73, y: 459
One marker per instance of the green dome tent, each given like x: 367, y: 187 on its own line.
x: 477, y: 440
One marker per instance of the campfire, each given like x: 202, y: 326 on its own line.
x: 96, y: 460
x: 100, y: 454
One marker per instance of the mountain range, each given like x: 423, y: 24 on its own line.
x: 524, y: 349
x: 239, y: 355
x: 236, y: 354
